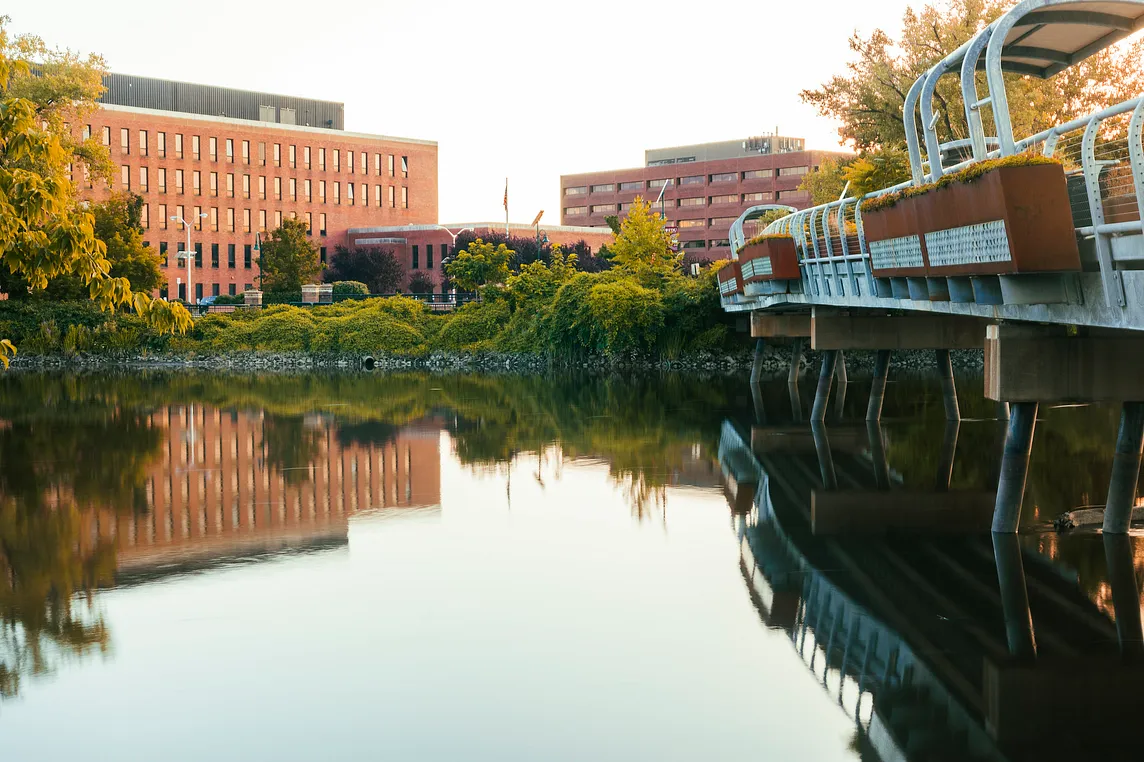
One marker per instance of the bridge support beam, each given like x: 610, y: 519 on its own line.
x: 795, y: 362
x: 878, y: 385
x: 877, y: 445
x: 831, y: 329
x: 781, y: 325
x: 1044, y: 363
x: 825, y: 381
x: 1014, y: 597
x: 1014, y: 467
x: 1125, y: 469
x: 948, y: 385
x: 757, y: 365
x: 840, y: 374
x: 1125, y: 594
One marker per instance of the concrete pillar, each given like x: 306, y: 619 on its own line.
x: 795, y: 403
x: 878, y: 385
x: 1125, y: 594
x: 760, y: 408
x: 1014, y: 596
x: 878, y: 454
x: 825, y: 380
x: 1014, y: 467
x: 1002, y: 411
x: 948, y: 451
x: 948, y: 385
x: 757, y: 365
x: 1125, y: 469
x: 825, y: 456
x: 840, y: 373
x: 795, y: 361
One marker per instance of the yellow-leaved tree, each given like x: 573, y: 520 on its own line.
x: 643, y: 246
x: 44, y: 229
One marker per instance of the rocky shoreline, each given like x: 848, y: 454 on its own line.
x: 776, y: 361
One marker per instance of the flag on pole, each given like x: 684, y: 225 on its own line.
x: 506, y: 194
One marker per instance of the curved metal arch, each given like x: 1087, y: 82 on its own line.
x: 735, y: 234
x: 969, y: 92
x: 911, y: 127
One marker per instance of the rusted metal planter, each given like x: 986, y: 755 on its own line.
x: 770, y: 259
x: 895, y: 240
x: 730, y: 280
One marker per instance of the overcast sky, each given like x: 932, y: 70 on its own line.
x: 524, y: 90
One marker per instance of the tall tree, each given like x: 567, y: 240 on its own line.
x: 643, y: 246
x: 867, y: 99
x: 44, y: 232
x: 288, y: 258
x: 379, y: 269
x: 479, y: 264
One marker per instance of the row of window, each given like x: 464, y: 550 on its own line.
x: 354, y: 161
x: 744, y: 198
x: 290, y: 188
x: 232, y: 289
x: 701, y: 244
x: 718, y: 177
x: 227, y: 222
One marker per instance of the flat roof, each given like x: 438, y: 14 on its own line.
x: 323, y: 131
x: 494, y: 226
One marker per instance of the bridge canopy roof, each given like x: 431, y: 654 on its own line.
x: 1047, y: 37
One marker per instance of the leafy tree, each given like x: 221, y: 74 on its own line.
x: 44, y: 232
x: 379, y: 269
x: 420, y: 283
x: 643, y: 247
x: 479, y: 265
x: 867, y: 100
x: 288, y: 258
x: 826, y: 184
x: 871, y: 170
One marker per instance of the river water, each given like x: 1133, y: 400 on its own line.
x: 421, y: 567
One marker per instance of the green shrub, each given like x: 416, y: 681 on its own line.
x: 350, y: 287
x: 969, y: 174
x: 628, y: 314
x: 473, y: 323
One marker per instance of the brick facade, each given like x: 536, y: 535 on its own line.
x: 242, y: 177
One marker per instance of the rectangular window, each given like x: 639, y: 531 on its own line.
x: 230, y: 150
x: 350, y: 161
x: 322, y: 223
x: 404, y: 197
x: 306, y: 157
x: 696, y: 201
x: 262, y: 187
x: 198, y: 218
x: 322, y: 159
x: 793, y: 171
x: 692, y: 180
x: 292, y: 156
x: 692, y: 223
x: 199, y: 256
x: 364, y: 194
x: 107, y: 136
x: 246, y: 152
x: 754, y: 174
x: 322, y: 255
x: 262, y: 220
x: 653, y: 184
x: 125, y: 140
x: 214, y: 255
x: 578, y: 190
x: 377, y: 195
x: 178, y: 181
x: 605, y: 188
x: 415, y: 265
x: 230, y: 251
x: 232, y: 289
x: 321, y: 191
x: 429, y: 256
x: 162, y: 180
x: 182, y: 292
x: 143, y: 179
x: 125, y: 177
x: 748, y: 197
x: 162, y: 216
x: 350, y: 193
x: 293, y: 189
x: 625, y: 206
x: 179, y: 213
x: 142, y: 142
x: 246, y: 186
x: 198, y: 292
x: 722, y: 243
x: 214, y: 184
x: 230, y: 220
x: 161, y: 144
x: 337, y: 160
x: 197, y: 182
x: 162, y: 254
x: 309, y: 223
x: 574, y: 211
x: 261, y: 154
x: 337, y: 190
x: 230, y: 185
x: 278, y: 154
x: 377, y: 164
x: 603, y: 208
x: 390, y: 165
x: 246, y: 250
x: 196, y: 146
x: 731, y: 199
x: 145, y: 216
x: 245, y: 220
x: 306, y: 188
x: 405, y: 166
x: 212, y: 148
x: 631, y: 186
x: 793, y: 195
x: 214, y: 289
x: 364, y: 163
x: 392, y: 197
x: 277, y: 188
x: 718, y: 222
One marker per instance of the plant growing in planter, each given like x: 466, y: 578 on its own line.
x: 769, y: 257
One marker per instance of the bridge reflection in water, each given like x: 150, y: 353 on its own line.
x: 940, y: 640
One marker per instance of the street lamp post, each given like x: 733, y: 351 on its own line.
x: 445, y: 260
x: 189, y: 256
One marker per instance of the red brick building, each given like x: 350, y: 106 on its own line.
x: 421, y: 247
x: 246, y: 161
x: 707, y: 187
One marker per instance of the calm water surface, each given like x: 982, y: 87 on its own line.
x: 204, y: 566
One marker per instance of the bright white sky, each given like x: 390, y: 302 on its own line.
x: 518, y: 89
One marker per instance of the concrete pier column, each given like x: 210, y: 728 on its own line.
x: 1125, y: 469
x: 1002, y: 411
x: 825, y: 380
x: 878, y: 385
x: 948, y: 385
x: 1125, y: 594
x: 757, y: 403
x: 948, y: 451
x: 878, y: 454
x: 825, y: 456
x: 757, y: 365
x: 795, y: 361
x: 1014, y: 596
x: 795, y: 403
x: 1014, y: 467
x: 840, y: 374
